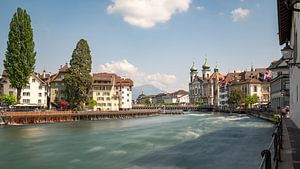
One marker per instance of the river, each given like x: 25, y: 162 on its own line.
x: 191, y: 141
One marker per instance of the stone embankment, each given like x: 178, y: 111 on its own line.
x: 14, y: 118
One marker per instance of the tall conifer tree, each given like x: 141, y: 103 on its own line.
x: 19, y: 59
x: 78, y: 79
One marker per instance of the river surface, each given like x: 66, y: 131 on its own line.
x: 191, y: 141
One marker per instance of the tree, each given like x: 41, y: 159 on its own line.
x: 235, y: 99
x: 92, y: 103
x: 8, y: 99
x: 147, y: 102
x: 19, y: 59
x: 78, y: 79
x: 250, y: 100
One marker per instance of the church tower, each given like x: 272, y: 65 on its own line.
x: 193, y: 72
x: 205, y: 70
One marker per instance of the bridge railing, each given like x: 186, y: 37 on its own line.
x: 271, y: 155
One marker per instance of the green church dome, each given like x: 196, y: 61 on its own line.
x: 193, y: 68
x: 205, y: 65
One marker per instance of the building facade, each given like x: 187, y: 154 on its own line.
x: 111, y: 92
x: 34, y: 95
x: 289, y: 28
x: 57, y: 85
x: 279, y: 84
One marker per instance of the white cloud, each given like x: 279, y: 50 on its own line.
x: 147, y: 13
x: 162, y: 81
x: 200, y: 8
x: 239, y: 14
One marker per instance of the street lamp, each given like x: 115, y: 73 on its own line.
x: 287, y: 52
x: 292, y: 5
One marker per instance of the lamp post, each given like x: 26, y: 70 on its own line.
x: 287, y: 54
x: 292, y: 5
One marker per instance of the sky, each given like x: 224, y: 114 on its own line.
x: 151, y: 41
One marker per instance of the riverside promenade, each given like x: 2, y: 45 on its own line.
x: 14, y: 118
x: 290, y: 152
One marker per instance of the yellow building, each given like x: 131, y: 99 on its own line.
x: 104, y: 92
x: 57, y: 85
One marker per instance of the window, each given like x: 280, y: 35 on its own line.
x: 122, y: 102
x: 40, y: 94
x: 255, y: 88
x: 108, y: 104
x: 128, y: 95
x: 127, y: 100
x: 62, y: 76
x: 33, y: 80
x: 26, y: 100
x: 62, y: 84
x: 40, y: 87
x: 56, y: 91
x: 108, y: 99
x: 61, y: 92
x: 11, y: 93
x: 27, y: 87
x: 39, y: 101
x: 45, y: 93
x: 26, y: 93
x: 10, y: 86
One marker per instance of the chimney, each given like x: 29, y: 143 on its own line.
x: 60, y: 66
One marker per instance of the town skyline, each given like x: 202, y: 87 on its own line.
x: 159, y: 52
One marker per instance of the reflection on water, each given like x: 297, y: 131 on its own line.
x: 195, y: 140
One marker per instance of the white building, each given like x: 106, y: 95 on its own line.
x: 124, y: 88
x: 279, y: 84
x: 289, y: 27
x: 33, y: 95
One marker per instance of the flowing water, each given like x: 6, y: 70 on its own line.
x: 191, y: 141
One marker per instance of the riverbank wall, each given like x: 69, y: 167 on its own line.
x: 16, y: 118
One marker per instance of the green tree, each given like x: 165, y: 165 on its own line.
x: 250, y: 100
x: 78, y: 79
x: 92, y: 103
x: 147, y: 102
x: 235, y: 99
x: 19, y: 58
x: 8, y: 99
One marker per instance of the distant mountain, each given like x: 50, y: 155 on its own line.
x: 147, y: 89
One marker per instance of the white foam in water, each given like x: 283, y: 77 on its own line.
x: 188, y: 135
x: 119, y: 152
x: 199, y: 115
x: 95, y: 149
x: 156, y: 167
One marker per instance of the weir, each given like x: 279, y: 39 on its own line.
x: 12, y: 118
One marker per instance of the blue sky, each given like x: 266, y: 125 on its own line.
x: 153, y: 42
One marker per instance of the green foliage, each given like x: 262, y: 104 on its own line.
x: 8, y: 99
x: 78, y: 79
x: 19, y: 58
x: 92, y: 103
x: 250, y: 100
x: 235, y: 99
x: 200, y: 102
x: 147, y: 102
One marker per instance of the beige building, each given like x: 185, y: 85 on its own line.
x: 111, y: 92
x: 253, y: 83
x: 57, y: 85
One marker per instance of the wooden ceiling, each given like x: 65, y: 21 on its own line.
x: 284, y: 21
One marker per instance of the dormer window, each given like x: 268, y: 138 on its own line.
x: 33, y: 80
